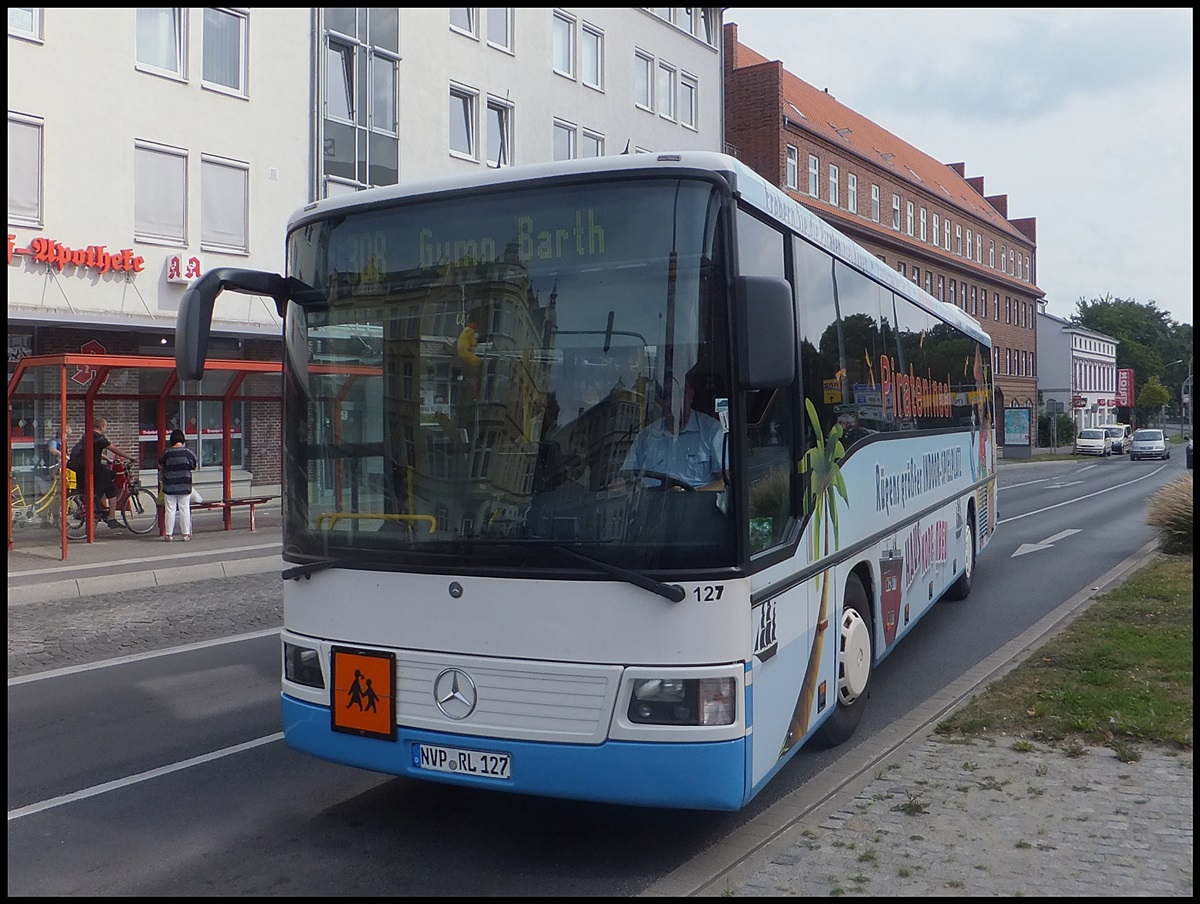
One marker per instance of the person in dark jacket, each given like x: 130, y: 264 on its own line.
x: 175, y: 469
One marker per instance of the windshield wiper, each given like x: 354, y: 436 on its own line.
x: 308, y: 569
x: 672, y: 592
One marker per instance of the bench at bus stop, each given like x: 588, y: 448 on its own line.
x: 228, y: 505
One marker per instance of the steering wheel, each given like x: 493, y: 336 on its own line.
x: 665, y: 481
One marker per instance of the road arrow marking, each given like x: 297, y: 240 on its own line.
x: 1045, y: 544
x: 1059, y: 486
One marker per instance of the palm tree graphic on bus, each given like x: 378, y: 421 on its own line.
x: 825, y: 484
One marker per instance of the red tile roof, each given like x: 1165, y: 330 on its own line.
x: 820, y: 112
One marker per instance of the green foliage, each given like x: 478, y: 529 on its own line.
x: 1150, y: 400
x: 1171, y: 516
x: 1149, y: 340
x: 1065, y: 435
x: 1120, y: 674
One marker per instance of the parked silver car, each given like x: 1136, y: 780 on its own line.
x: 1149, y: 443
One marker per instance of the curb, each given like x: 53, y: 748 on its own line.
x: 79, y: 588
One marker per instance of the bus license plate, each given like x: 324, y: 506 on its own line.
x: 483, y: 763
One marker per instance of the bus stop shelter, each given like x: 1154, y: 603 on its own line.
x: 67, y: 388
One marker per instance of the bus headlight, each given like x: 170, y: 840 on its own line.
x: 682, y: 701
x: 302, y: 665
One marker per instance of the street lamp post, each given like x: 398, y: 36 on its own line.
x: 1183, y: 391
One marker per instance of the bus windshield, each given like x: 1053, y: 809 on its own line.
x: 465, y: 381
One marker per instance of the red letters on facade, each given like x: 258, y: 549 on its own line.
x: 93, y: 257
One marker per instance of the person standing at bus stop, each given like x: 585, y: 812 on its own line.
x: 175, y: 468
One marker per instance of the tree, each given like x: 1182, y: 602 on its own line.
x: 1148, y: 338
x: 1150, y: 401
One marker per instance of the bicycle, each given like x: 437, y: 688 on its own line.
x: 138, y: 505
x: 45, y: 508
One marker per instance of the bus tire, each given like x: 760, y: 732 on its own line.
x: 961, y: 588
x: 855, y: 662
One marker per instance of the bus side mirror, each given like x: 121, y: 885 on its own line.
x: 767, y: 334
x: 193, y: 323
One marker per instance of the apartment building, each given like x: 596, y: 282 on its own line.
x: 1079, y: 373
x: 929, y: 220
x: 150, y: 146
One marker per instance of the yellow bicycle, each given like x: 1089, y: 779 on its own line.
x: 44, y: 510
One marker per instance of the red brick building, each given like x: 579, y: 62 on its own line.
x: 927, y: 219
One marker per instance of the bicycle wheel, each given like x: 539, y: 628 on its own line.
x: 76, y: 518
x: 140, y: 512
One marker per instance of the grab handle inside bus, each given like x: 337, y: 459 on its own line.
x: 767, y: 353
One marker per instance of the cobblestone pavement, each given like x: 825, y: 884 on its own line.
x: 991, y: 819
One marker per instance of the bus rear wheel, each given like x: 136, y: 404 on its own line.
x: 855, y: 661
x: 961, y: 588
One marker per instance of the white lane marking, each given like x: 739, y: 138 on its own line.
x: 136, y: 657
x: 1048, y: 543
x: 117, y: 784
x: 1080, y: 498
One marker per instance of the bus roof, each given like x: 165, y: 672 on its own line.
x: 745, y: 182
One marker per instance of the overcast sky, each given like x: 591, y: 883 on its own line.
x: 1082, y: 117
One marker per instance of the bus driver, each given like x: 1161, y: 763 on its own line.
x: 685, y: 445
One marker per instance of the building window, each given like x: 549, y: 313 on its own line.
x: 875, y: 203
x: 834, y: 186
x: 970, y: 245
x: 463, y: 102
x: 979, y: 247
x: 465, y: 20
x: 160, y: 194
x: 25, y: 22
x: 499, y: 132
x: 983, y: 304
x: 996, y: 306
x: 814, y: 176
x: 992, y: 253
x: 974, y: 301
x: 908, y: 218
x: 591, y: 56
x: 896, y: 212
x: 564, y: 45
x: 666, y: 91
x: 946, y: 233
x: 852, y: 192
x: 916, y: 274
x: 941, y: 292
x: 564, y: 140
x: 224, y: 205
x: 499, y: 27
x: 924, y: 225
x: 643, y: 83
x: 688, y: 93
x: 929, y: 282
x: 1003, y: 258
x: 224, y: 51
x: 953, y: 292
x: 591, y: 145
x: 24, y: 169
x: 901, y: 268
x: 958, y: 240
x: 793, y: 168
x: 360, y: 145
x: 160, y: 42
x: 937, y: 229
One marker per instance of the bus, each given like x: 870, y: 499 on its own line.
x: 478, y: 590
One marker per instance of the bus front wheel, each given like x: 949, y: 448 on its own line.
x: 855, y: 660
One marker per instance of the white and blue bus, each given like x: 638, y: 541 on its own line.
x: 478, y: 590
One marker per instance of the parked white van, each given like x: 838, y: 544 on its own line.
x: 1121, y: 436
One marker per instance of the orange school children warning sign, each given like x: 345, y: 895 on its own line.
x: 363, y: 698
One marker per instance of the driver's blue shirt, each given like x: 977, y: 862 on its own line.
x: 693, y: 456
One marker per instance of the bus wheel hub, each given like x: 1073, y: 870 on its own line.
x: 854, y: 667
